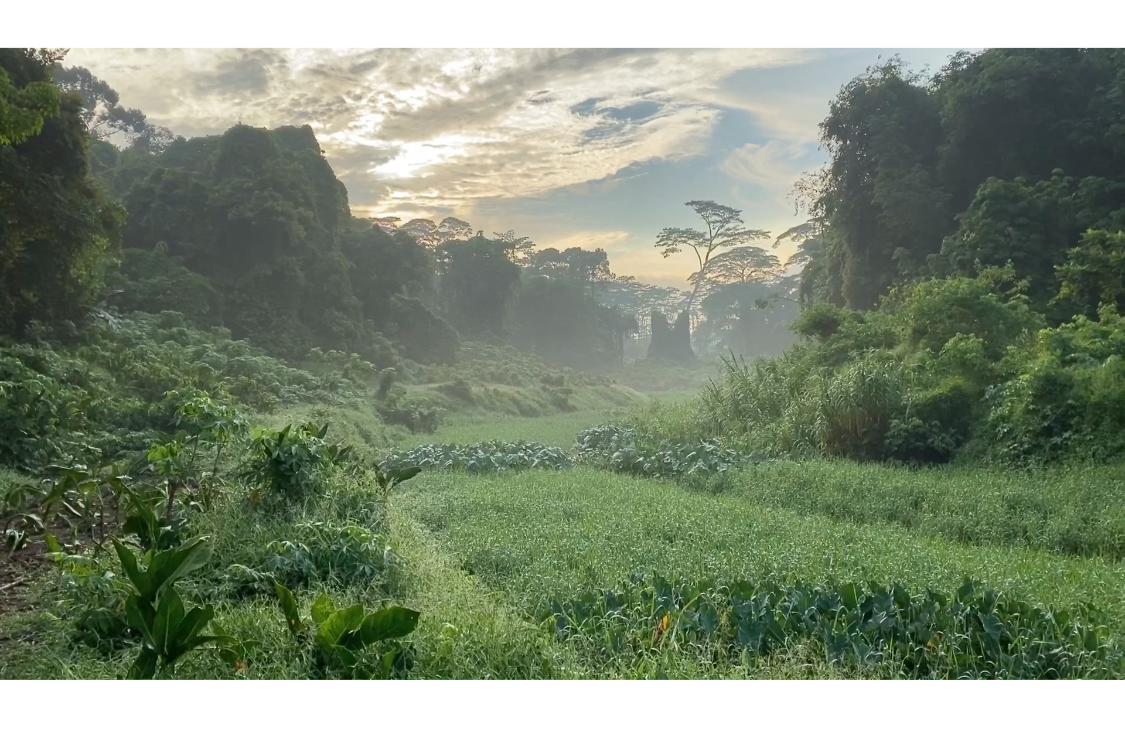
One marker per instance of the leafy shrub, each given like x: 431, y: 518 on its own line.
x: 481, y: 457
x: 458, y: 389
x: 93, y: 596
x: 974, y: 633
x: 944, y: 367
x: 413, y: 414
x: 20, y: 519
x: 1067, y: 398
x: 347, y: 554
x: 291, y: 463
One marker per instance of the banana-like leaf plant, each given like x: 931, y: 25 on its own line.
x: 168, y: 629
x: 343, y: 637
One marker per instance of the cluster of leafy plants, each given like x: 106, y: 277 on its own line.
x: 482, y: 362
x: 117, y: 386
x: 290, y: 464
x: 945, y: 367
x: 345, y: 554
x: 350, y: 642
x: 702, y: 463
x: 416, y: 415
x: 156, y: 611
x: 481, y: 457
x: 974, y: 633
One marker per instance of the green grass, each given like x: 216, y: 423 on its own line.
x: 538, y: 536
x: 1075, y: 509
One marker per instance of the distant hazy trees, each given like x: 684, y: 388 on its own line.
x: 723, y: 254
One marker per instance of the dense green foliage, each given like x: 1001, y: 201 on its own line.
x: 57, y: 229
x: 488, y: 457
x: 170, y: 364
x: 702, y: 463
x: 961, y: 365
x: 980, y: 155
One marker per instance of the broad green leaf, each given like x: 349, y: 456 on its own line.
x: 386, y: 624
x: 169, y: 614
x: 139, y: 618
x: 402, y: 474
x: 189, y: 633
x: 129, y: 564
x: 144, y: 667
x: 338, y: 624
x: 169, y: 565
x: 289, y: 608
x: 321, y: 609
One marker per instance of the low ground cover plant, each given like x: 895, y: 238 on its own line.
x: 698, y: 463
x: 974, y: 632
x: 481, y: 457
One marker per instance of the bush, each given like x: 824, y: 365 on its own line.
x: 290, y: 464
x: 318, y: 551
x: 415, y: 415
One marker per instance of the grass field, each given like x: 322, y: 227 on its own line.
x: 537, y: 535
x: 556, y: 430
x: 1075, y: 509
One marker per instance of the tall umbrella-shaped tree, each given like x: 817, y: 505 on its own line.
x: 724, y: 230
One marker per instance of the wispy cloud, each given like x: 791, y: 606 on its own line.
x: 772, y: 165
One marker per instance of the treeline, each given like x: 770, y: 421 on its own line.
x: 965, y: 271
x: 251, y: 231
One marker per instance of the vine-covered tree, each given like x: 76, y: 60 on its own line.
x: 103, y: 114
x: 56, y: 227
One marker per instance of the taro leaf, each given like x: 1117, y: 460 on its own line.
x: 321, y: 609
x: 386, y: 624
x: 849, y: 594
x: 991, y: 625
x: 966, y: 590
x: 144, y: 667
x: 901, y: 596
x: 338, y: 624
x: 289, y: 608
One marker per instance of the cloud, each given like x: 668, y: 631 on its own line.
x: 441, y: 129
x: 776, y: 164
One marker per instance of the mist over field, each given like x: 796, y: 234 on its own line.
x: 531, y: 363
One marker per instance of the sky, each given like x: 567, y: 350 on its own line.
x: 588, y: 147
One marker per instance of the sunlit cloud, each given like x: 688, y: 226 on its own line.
x: 444, y: 128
